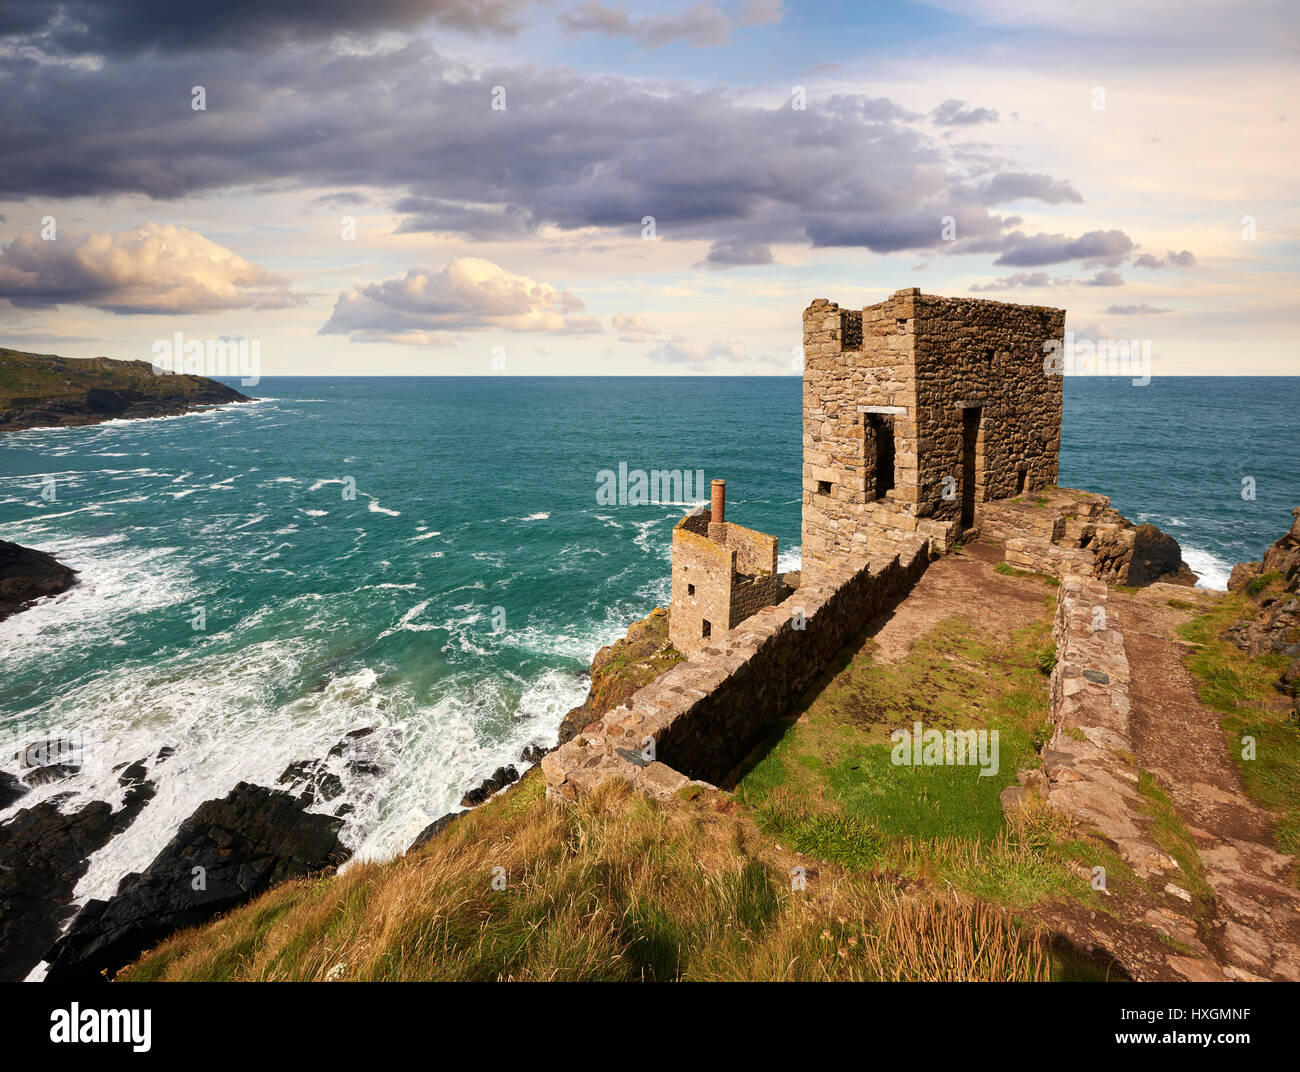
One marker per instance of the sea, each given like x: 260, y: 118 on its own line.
x: 437, y: 560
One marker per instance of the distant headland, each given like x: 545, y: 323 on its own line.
x: 46, y: 391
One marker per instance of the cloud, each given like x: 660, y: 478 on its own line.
x: 130, y: 27
x: 1020, y: 279
x: 702, y: 25
x: 1184, y: 259
x: 158, y: 268
x: 631, y: 328
x: 1019, y: 185
x: 1108, y: 278
x: 1134, y: 310
x: 954, y: 113
x: 469, y: 294
x: 735, y: 253
x: 569, y: 153
x: 1029, y: 251
x: 695, y: 355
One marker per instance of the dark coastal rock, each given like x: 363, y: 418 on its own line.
x: 494, y: 783
x: 226, y: 853
x: 532, y: 754
x: 434, y: 829
x: 312, y: 781
x: 362, y: 754
x: 11, y: 789
x: 1138, y: 556
x: 43, y: 855
x: 27, y: 575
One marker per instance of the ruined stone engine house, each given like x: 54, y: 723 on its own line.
x: 916, y: 412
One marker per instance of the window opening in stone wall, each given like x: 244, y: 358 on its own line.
x: 880, y: 447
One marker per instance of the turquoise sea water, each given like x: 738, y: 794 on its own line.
x: 457, y: 598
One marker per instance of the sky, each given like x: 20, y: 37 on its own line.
x: 546, y: 187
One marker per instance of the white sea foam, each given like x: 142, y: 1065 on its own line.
x: 1211, y: 570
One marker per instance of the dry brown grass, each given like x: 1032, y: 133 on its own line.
x: 614, y: 888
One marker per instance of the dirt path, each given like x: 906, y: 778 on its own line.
x: 1253, y: 926
x: 961, y: 584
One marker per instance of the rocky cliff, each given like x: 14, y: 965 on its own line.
x: 42, y: 391
x: 1274, y: 585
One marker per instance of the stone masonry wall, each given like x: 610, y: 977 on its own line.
x: 698, y: 720
x: 975, y: 351
x: 851, y: 358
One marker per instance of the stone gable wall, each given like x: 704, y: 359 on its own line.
x: 971, y: 350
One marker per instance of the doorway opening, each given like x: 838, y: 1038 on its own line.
x: 970, y: 431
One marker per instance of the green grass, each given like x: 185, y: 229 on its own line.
x: 1169, y: 831
x: 1242, y: 688
x: 827, y: 786
x: 1264, y: 581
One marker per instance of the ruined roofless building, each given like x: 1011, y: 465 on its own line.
x: 722, y: 573
x: 916, y: 411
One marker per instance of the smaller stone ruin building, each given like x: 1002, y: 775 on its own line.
x: 722, y: 573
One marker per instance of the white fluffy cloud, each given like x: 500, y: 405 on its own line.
x: 469, y: 294
x: 158, y: 268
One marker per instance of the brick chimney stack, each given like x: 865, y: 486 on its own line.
x: 718, y: 508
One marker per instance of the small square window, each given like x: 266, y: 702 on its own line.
x: 823, y: 487
x: 706, y: 630
x: 690, y: 589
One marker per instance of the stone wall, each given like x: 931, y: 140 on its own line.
x: 917, y: 371
x: 697, y: 721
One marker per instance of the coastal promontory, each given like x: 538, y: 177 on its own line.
x: 45, y: 391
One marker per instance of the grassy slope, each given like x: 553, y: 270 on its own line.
x: 616, y: 887
x: 1241, y: 687
x: 828, y: 786
x: 702, y: 887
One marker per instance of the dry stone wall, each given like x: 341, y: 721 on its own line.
x: 698, y: 720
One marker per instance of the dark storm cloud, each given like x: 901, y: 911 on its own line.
x: 702, y: 25
x: 568, y: 151
x: 128, y: 27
